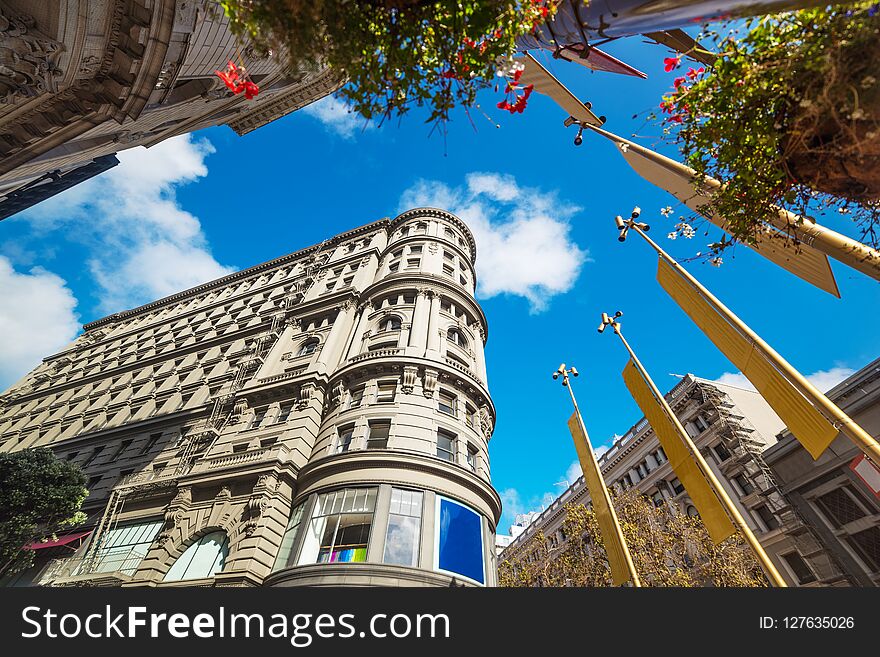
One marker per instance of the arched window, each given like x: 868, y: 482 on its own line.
x: 204, y: 558
x: 390, y: 323
x: 308, y: 347
x: 455, y: 336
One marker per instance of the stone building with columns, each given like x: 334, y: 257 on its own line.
x: 733, y: 428
x: 322, y: 419
x: 81, y: 80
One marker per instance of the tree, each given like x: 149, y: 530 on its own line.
x: 396, y: 54
x: 39, y: 496
x: 668, y: 549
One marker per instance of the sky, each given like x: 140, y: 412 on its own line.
x: 199, y: 206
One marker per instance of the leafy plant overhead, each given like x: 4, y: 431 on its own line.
x: 396, y: 54
x: 788, y: 117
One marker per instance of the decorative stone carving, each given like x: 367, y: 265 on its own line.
x: 258, y: 502
x: 410, y: 376
x: 336, y: 393
x: 27, y: 58
x: 225, y: 493
x: 175, y: 513
x: 429, y: 385
x: 486, y: 421
x: 306, y: 391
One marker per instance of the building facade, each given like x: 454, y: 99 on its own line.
x: 840, y: 504
x: 319, y: 419
x: 732, y: 428
x: 81, y: 80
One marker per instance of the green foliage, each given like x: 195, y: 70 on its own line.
x: 396, y: 54
x: 39, y: 495
x: 667, y: 548
x: 789, y: 116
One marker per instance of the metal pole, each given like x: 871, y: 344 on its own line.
x: 732, y: 512
x: 840, y: 419
x: 633, y: 574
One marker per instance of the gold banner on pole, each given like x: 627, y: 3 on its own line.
x: 714, y: 517
x: 614, y: 549
x: 812, y: 429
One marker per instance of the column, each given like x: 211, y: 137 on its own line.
x: 480, y: 355
x: 434, y: 327
x: 419, y: 331
x: 356, y: 339
x: 332, y: 347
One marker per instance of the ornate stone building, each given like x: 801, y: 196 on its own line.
x: 81, y: 80
x: 733, y: 429
x: 322, y: 418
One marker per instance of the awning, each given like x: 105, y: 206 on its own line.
x: 62, y: 540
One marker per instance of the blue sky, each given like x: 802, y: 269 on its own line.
x: 194, y: 208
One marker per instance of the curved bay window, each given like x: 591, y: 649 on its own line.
x: 204, y: 558
x: 455, y: 336
x: 459, y: 540
x: 339, y: 529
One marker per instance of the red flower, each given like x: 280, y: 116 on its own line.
x: 232, y: 77
x: 675, y: 118
x: 448, y: 74
x: 692, y: 74
x: 667, y: 106
x: 250, y: 89
x: 677, y: 82
x: 671, y: 63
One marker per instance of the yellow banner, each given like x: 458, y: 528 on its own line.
x: 805, y: 422
x: 711, y: 511
x: 614, y: 547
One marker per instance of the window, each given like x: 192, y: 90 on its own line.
x: 446, y: 445
x: 119, y: 450
x: 744, y: 484
x: 397, y: 254
x: 125, y: 546
x: 866, y: 544
x: 357, y: 396
x: 308, y: 347
x: 449, y: 234
x: 448, y: 256
x: 93, y: 482
x: 95, y: 452
x: 799, y: 568
x: 692, y: 511
x: 660, y: 455
x: 378, y: 436
x: 391, y: 323
x: 472, y: 457
x: 258, y: 417
x: 455, y: 336
x: 459, y: 540
x: 446, y: 402
x: 470, y: 416
x: 385, y: 391
x: 840, y: 506
x: 462, y: 280
x: 701, y: 423
x: 284, y: 551
x: 676, y: 486
x: 449, y: 271
x: 343, y: 440
x: 416, y: 248
x: 394, y: 266
x: 658, y: 498
x: 404, y: 528
x: 204, y: 558
x: 721, y: 452
x: 284, y: 411
x: 339, y: 529
x: 767, y: 517
x: 413, y: 263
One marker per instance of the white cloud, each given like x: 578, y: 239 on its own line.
x: 523, y: 238
x: 824, y: 380
x: 37, y: 318
x: 334, y: 114
x: 142, y: 244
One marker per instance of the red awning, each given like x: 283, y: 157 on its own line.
x: 62, y: 540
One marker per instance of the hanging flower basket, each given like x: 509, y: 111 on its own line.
x: 789, y: 116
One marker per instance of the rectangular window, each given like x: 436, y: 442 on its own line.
x: 799, y: 567
x: 119, y: 450
x: 413, y: 263
x: 470, y: 415
x: 339, y: 530
x: 449, y: 256
x: 658, y: 498
x: 721, y: 452
x: 462, y: 280
x: 378, y: 437
x: 676, y: 486
x: 446, y: 402
x: 661, y: 455
x: 404, y: 528
x: 449, y: 271
x: 446, y: 446
x: 472, y: 457
x: 124, y: 547
x: 259, y: 416
x: 385, y: 391
x: 459, y: 540
x: 357, y: 396
x: 284, y: 551
x: 394, y: 266
x: 840, y: 506
x: 416, y: 248
x: 284, y: 411
x: 343, y: 440
x: 866, y: 544
x: 744, y: 484
x: 767, y: 517
x: 95, y: 452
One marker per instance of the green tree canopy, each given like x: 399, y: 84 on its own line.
x: 39, y: 495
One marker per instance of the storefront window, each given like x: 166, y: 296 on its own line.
x: 459, y: 540
x: 339, y: 529
x: 204, y: 558
x: 404, y: 525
